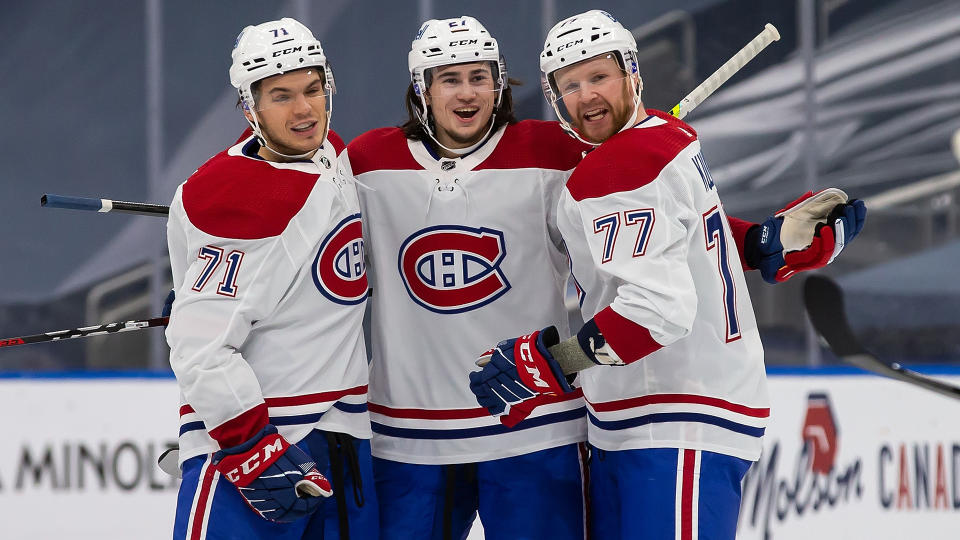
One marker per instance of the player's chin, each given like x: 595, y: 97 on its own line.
x: 468, y: 135
x: 594, y: 133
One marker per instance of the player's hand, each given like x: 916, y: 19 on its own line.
x: 809, y: 233
x: 278, y: 480
x: 517, y: 374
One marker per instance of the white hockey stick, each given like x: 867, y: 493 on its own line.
x: 731, y: 66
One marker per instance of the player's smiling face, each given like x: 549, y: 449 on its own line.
x: 461, y: 99
x: 596, y: 97
x: 291, y: 109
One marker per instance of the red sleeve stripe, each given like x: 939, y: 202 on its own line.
x: 457, y: 414
x: 241, y: 428
x: 739, y: 229
x: 694, y: 399
x: 628, y: 339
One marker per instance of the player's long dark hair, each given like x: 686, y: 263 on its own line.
x: 414, y: 130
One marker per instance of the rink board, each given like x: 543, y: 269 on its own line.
x: 79, y: 459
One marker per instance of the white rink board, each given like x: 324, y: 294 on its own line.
x: 874, y: 418
x: 79, y: 460
x: 119, y: 426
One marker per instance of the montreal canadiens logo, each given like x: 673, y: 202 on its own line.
x: 338, y: 270
x: 452, y: 269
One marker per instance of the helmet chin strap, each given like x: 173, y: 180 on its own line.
x: 467, y: 150
x: 636, y: 106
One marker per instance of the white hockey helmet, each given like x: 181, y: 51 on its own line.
x: 582, y: 37
x: 274, y: 48
x: 442, y: 42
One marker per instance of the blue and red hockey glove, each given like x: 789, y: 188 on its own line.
x: 517, y: 375
x: 277, y: 479
x: 807, y: 234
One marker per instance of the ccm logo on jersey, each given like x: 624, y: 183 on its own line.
x: 452, y: 269
x: 339, y: 270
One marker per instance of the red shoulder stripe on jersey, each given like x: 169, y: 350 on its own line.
x: 629, y: 160
x: 630, y: 340
x: 244, y: 198
x: 739, y: 229
x: 241, y: 427
x: 336, y: 141
x: 535, y: 144
x: 243, y: 136
x: 382, y: 149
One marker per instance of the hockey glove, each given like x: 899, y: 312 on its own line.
x: 809, y: 233
x: 277, y: 479
x: 516, y: 374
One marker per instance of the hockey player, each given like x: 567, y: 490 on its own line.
x: 265, y: 335
x: 669, y: 359
x: 458, y: 203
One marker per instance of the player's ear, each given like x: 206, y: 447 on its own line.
x: 246, y: 112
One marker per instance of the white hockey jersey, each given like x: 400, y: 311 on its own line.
x: 267, y: 262
x: 659, y: 272
x: 464, y: 253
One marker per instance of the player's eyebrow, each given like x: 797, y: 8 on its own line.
x: 285, y: 89
x: 449, y: 71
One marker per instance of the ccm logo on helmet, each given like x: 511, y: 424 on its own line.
x: 463, y: 42
x: 452, y: 269
x: 287, y: 51
x: 339, y: 271
x: 569, y: 44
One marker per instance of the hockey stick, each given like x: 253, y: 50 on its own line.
x: 102, y: 205
x: 824, y: 301
x: 87, y: 331
x: 731, y: 66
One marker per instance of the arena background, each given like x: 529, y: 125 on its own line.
x: 124, y: 99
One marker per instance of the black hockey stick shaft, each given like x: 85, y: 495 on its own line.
x: 824, y: 301
x: 109, y: 328
x: 51, y: 200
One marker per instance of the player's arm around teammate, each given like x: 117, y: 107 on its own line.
x: 265, y: 332
x: 670, y: 358
x: 456, y: 204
